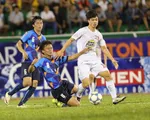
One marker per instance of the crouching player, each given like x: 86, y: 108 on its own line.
x: 61, y: 90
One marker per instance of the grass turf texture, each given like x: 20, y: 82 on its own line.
x: 135, y: 107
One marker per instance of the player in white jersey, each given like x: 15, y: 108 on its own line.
x: 89, y: 64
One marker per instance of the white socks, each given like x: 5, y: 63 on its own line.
x: 111, y: 87
x: 92, y: 87
x: 80, y: 90
x: 109, y: 84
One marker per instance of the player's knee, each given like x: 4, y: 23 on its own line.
x: 77, y: 104
x: 75, y: 89
x: 107, y: 78
x: 35, y: 83
x: 25, y: 84
x: 85, y: 84
x: 73, y: 102
x: 91, y: 77
x: 29, y: 84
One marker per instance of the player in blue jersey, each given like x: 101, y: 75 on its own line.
x: 62, y: 90
x: 28, y: 45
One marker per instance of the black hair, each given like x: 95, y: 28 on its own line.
x: 109, y: 3
x: 36, y: 18
x: 43, y: 44
x: 91, y: 14
x: 132, y: 1
x: 148, y: 9
x: 16, y: 6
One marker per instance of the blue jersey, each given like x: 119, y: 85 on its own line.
x: 31, y: 41
x: 50, y: 70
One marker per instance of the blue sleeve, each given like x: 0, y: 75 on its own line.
x: 26, y: 36
x: 38, y: 63
x: 44, y: 38
x: 62, y: 60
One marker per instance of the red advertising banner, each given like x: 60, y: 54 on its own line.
x: 125, y: 77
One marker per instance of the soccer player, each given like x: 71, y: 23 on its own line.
x: 89, y: 64
x: 28, y: 45
x: 62, y: 90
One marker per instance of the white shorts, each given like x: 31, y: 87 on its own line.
x: 90, y: 67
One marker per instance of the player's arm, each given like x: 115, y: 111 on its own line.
x: 75, y: 56
x: 32, y: 67
x: 105, y: 59
x: 37, y: 49
x: 44, y: 39
x: 20, y: 48
x: 107, y: 53
x: 60, y: 52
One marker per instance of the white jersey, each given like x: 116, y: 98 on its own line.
x: 87, y: 38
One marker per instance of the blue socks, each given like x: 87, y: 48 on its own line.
x: 28, y: 94
x: 16, y: 89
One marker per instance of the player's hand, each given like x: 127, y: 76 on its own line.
x: 59, y: 54
x: 86, y: 50
x: 25, y: 56
x: 115, y: 63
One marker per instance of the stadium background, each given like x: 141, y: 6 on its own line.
x: 130, y: 49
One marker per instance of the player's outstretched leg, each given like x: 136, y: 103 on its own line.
x: 118, y: 99
x: 112, y: 89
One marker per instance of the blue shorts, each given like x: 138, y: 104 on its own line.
x: 24, y: 71
x: 63, y: 92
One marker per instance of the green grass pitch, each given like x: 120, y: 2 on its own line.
x: 135, y: 107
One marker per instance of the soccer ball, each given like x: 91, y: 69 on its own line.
x: 95, y: 98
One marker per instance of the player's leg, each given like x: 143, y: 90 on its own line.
x: 73, y: 102
x: 66, y: 95
x: 95, y: 68
x: 87, y: 82
x: 111, y: 87
x: 28, y: 93
x: 75, y: 89
x: 98, y: 68
x: 26, y: 82
x: 92, y: 83
x: 31, y: 89
x: 84, y: 72
x: 109, y: 83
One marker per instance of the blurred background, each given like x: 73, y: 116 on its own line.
x: 123, y: 23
